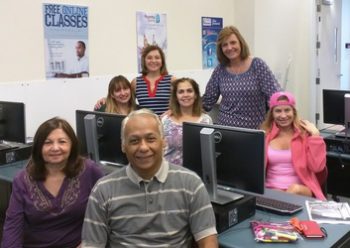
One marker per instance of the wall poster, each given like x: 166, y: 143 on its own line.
x: 151, y: 30
x: 211, y: 27
x: 66, y: 41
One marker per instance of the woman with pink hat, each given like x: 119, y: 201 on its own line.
x: 295, y: 151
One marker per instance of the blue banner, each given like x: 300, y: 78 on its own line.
x: 211, y: 27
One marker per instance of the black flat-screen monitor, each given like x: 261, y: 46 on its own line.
x: 108, y: 128
x: 12, y: 122
x: 336, y: 108
x: 239, y: 152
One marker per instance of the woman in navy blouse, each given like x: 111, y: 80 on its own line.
x: 244, y: 83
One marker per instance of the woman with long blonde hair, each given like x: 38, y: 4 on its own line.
x: 295, y: 151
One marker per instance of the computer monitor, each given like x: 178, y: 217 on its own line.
x: 12, y: 122
x: 108, y: 136
x: 239, y: 153
x: 336, y: 109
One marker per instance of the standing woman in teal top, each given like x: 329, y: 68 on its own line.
x: 120, y: 98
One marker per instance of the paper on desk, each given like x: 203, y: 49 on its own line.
x: 328, y: 212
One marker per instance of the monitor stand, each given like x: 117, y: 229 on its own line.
x: 209, y: 169
x: 91, y: 137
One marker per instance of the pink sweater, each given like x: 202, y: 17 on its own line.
x: 308, y: 158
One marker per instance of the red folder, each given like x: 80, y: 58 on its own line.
x: 311, y: 229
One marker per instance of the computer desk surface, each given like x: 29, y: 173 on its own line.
x: 241, y: 235
x: 8, y: 171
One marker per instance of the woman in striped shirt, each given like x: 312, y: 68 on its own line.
x: 153, y: 87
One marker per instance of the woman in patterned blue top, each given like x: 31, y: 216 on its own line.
x: 244, y: 83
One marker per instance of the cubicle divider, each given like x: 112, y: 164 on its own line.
x: 45, y: 99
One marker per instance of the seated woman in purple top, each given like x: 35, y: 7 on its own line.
x: 49, y: 196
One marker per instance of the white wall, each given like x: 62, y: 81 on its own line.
x: 112, y: 34
x: 275, y: 30
x: 282, y: 33
x: 345, y: 38
x: 44, y: 99
x: 112, y: 51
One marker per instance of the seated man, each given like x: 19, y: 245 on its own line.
x: 149, y: 203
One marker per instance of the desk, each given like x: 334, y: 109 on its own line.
x: 338, y: 164
x: 7, y: 173
x: 241, y: 236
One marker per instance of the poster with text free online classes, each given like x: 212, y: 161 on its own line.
x: 65, y: 40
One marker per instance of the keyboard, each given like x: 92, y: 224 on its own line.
x: 277, y: 206
x: 269, y: 204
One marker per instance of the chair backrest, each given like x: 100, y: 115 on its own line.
x: 213, y: 113
x: 322, y: 180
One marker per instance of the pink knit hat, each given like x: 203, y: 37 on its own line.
x: 275, y: 102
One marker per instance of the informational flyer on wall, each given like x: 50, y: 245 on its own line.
x: 66, y: 41
x: 211, y: 27
x: 151, y: 30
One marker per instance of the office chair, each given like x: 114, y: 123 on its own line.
x: 322, y: 180
x: 213, y: 113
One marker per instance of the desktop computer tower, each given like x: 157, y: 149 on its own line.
x: 17, y: 153
x: 337, y: 145
x: 234, y: 212
x: 338, y: 164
